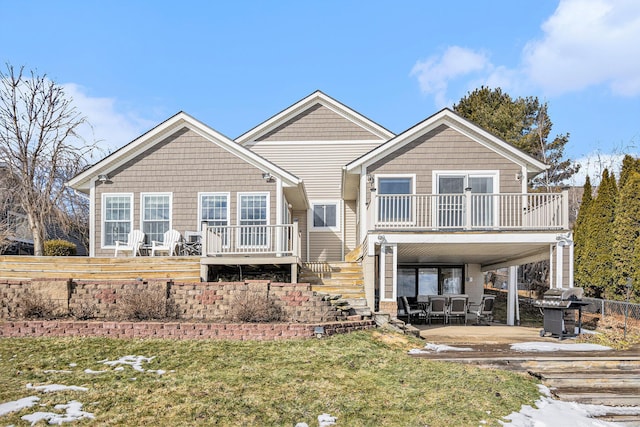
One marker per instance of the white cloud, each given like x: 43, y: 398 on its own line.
x: 435, y: 72
x: 586, y: 43
x: 111, y: 128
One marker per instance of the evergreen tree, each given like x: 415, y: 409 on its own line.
x: 627, y: 234
x: 629, y: 165
x: 581, y: 235
x: 597, y: 258
x: 524, y: 123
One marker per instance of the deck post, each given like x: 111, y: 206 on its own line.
x: 512, y: 295
x: 295, y: 239
x: 467, y: 208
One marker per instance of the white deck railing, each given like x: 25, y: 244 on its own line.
x: 469, y: 211
x: 278, y: 240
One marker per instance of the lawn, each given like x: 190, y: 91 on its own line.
x: 363, y: 379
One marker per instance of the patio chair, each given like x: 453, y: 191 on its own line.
x: 458, y: 307
x: 437, y: 308
x: 169, y: 243
x: 134, y: 242
x: 484, y: 309
x: 409, y: 312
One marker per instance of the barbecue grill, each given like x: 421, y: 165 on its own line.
x: 559, y: 306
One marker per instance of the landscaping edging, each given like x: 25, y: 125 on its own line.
x: 178, y: 330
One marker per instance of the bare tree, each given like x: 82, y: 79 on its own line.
x: 40, y: 146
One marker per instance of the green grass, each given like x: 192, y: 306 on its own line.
x: 363, y: 379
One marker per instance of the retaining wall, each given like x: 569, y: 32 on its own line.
x: 177, y: 330
x: 202, y: 301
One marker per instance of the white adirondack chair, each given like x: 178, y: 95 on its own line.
x: 133, y: 244
x: 168, y: 245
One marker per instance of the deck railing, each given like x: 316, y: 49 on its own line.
x: 471, y: 211
x: 277, y: 240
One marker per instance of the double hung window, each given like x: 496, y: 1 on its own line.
x: 117, y: 214
x: 214, y: 211
x: 156, y: 216
x: 253, y: 221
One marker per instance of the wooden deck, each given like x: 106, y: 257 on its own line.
x: 179, y: 269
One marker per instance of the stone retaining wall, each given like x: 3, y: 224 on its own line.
x: 207, y: 302
x: 177, y: 330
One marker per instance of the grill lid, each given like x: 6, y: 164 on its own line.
x: 564, y: 294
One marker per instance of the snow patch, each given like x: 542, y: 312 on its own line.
x: 134, y: 361
x: 18, y: 405
x: 52, y: 388
x: 73, y: 412
x: 550, y: 413
x: 437, y: 348
x: 549, y: 346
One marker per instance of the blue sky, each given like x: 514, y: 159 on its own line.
x: 131, y: 64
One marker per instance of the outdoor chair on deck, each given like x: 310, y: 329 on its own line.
x: 483, y: 310
x: 437, y: 308
x: 409, y: 312
x: 169, y: 243
x: 458, y: 306
x: 134, y: 242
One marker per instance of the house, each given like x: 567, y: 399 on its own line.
x: 428, y: 210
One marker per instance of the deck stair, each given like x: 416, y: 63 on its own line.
x: 179, y: 269
x: 604, y: 381
x: 610, y: 378
x: 344, y: 278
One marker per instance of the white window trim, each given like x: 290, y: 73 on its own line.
x: 207, y: 193
x: 397, y: 175
x: 239, y: 217
x: 495, y: 174
x: 142, y: 196
x: 338, y: 205
x: 412, y: 176
x: 102, y: 217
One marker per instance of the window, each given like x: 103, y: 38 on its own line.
x: 325, y: 215
x: 155, y: 216
x: 214, y: 209
x: 117, y: 218
x: 394, y: 205
x: 254, y: 211
x: 429, y: 280
x: 451, y: 199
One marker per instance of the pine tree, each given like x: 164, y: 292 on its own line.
x: 581, y: 235
x: 524, y: 123
x: 629, y: 165
x: 627, y: 234
x: 597, y: 258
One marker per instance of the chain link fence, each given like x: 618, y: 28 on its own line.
x: 611, y: 308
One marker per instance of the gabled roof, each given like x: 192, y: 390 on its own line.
x: 84, y: 180
x: 451, y: 119
x: 306, y: 103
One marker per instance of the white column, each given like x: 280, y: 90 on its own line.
x: 559, y: 264
x: 512, y: 295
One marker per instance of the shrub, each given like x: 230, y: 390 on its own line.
x: 146, y: 304
x: 256, y: 307
x: 59, y: 248
x: 84, y: 311
x: 35, y: 306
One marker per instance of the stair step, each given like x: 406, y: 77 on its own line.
x: 609, y: 398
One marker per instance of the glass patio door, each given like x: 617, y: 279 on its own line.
x: 482, y: 202
x: 451, y: 201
